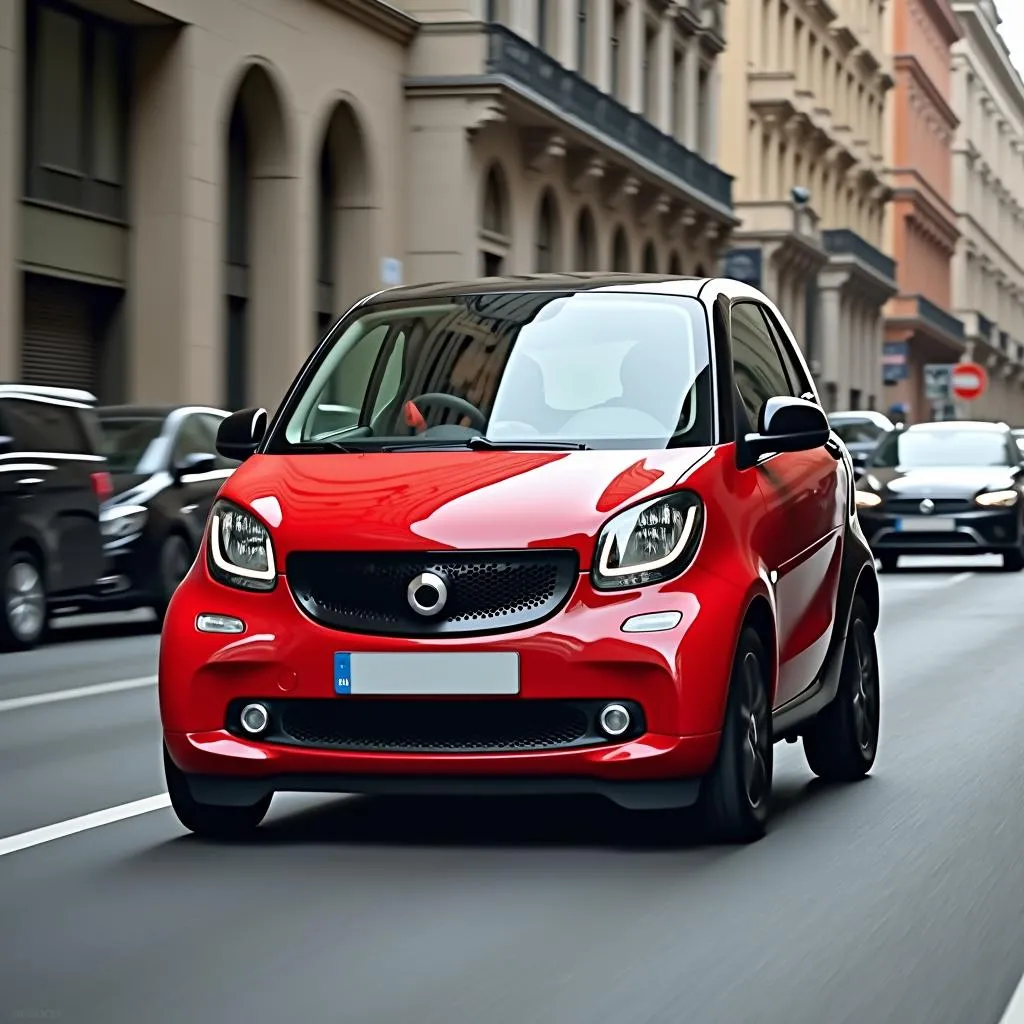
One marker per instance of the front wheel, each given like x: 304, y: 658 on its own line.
x: 841, y: 743
x: 1013, y: 561
x: 735, y: 795
x: 23, y: 604
x: 210, y: 821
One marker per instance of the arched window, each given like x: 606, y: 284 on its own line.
x: 586, y: 241
x: 494, y: 220
x: 620, y: 252
x: 548, y: 257
x: 675, y: 265
x: 650, y: 259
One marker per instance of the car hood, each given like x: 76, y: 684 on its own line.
x: 952, y: 482
x: 450, y: 500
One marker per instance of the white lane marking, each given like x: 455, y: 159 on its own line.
x: 48, y: 833
x: 1015, y: 1010
x: 35, y: 699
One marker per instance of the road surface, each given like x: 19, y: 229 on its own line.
x: 899, y: 899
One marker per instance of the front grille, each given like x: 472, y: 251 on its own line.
x: 943, y: 506
x: 440, y: 726
x: 488, y: 591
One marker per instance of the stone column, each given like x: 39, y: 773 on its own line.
x: 830, y: 327
x: 600, y: 45
x: 565, y: 36
x: 634, y: 78
x: 691, y: 94
x: 663, y: 76
x: 522, y: 18
x: 12, y: 35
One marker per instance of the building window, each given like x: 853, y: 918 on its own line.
x: 582, y: 33
x: 620, y: 252
x: 586, y: 241
x: 494, y: 230
x: 547, y: 236
x: 618, y: 53
x: 650, y: 68
x: 650, y: 259
x: 704, y: 112
x: 678, y: 68
x: 76, y: 121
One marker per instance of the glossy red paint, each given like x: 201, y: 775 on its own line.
x: 439, y: 500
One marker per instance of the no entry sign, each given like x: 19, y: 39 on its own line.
x: 969, y: 381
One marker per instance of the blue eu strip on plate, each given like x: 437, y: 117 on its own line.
x: 342, y: 672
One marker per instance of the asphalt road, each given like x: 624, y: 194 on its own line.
x: 899, y: 899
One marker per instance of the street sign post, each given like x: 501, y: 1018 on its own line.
x: 969, y: 381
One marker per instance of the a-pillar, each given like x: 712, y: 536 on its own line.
x: 12, y: 35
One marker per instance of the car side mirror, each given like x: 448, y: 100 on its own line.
x: 196, y: 462
x: 787, y: 424
x: 240, y: 434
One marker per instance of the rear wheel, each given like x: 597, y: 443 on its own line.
x: 210, y: 821
x: 23, y: 604
x: 173, y: 565
x: 735, y: 795
x: 1013, y: 561
x: 841, y: 744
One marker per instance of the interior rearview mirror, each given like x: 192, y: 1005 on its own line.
x: 240, y: 434
x: 787, y: 424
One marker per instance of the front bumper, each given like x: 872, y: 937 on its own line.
x: 677, y: 679
x: 977, y: 531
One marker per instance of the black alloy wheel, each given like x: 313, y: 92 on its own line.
x: 736, y: 794
x: 174, y: 562
x: 210, y: 821
x: 23, y: 603
x: 842, y: 743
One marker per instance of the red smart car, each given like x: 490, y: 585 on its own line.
x: 580, y: 534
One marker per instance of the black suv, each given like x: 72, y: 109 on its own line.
x: 52, y: 483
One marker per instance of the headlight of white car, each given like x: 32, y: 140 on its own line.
x: 118, y: 522
x: 999, y: 499
x: 648, y: 543
x: 866, y: 499
x: 240, y: 552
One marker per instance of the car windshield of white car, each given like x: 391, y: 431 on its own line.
x: 922, y: 449
x: 587, y: 369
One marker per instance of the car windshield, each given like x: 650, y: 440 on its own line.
x: 857, y: 431
x: 132, y: 444
x: 604, y: 370
x: 920, y: 449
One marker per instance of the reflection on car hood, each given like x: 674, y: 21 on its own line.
x: 448, y: 500
x: 137, y: 488
x: 941, y: 482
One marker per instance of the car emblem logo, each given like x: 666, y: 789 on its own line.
x: 927, y: 506
x: 427, y: 594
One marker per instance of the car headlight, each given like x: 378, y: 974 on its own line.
x: 240, y: 552
x: 118, y: 522
x: 648, y: 543
x: 999, y: 499
x: 865, y: 499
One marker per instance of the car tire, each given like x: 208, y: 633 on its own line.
x: 842, y: 742
x: 24, y: 615
x: 173, y: 563
x: 1013, y: 561
x: 888, y: 562
x: 736, y: 794
x: 210, y: 821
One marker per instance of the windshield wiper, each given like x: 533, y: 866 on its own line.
x: 331, y: 446
x: 480, y: 443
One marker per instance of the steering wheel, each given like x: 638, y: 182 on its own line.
x: 453, y: 402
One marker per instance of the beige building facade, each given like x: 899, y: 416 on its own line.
x: 191, y: 190
x: 808, y: 157
x: 988, y: 183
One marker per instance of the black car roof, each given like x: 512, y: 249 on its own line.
x: 689, y: 286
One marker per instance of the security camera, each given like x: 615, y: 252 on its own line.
x: 801, y: 196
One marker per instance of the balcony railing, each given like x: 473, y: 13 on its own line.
x: 843, y: 242
x: 512, y: 56
x: 937, y: 317
x: 985, y: 327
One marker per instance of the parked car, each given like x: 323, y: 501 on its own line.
x: 949, y: 488
x: 583, y: 536
x: 165, y: 472
x: 53, y: 479
x: 1018, y: 437
x: 860, y: 430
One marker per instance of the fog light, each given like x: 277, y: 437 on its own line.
x: 210, y: 623
x: 254, y: 718
x: 615, y: 719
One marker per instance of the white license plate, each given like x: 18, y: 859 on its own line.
x: 926, y: 524
x: 426, y: 674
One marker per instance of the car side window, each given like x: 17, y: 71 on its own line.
x: 192, y: 439
x: 756, y: 366
x: 44, y: 427
x: 799, y: 384
x: 211, y: 424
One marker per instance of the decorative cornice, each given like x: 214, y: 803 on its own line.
x: 377, y: 14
